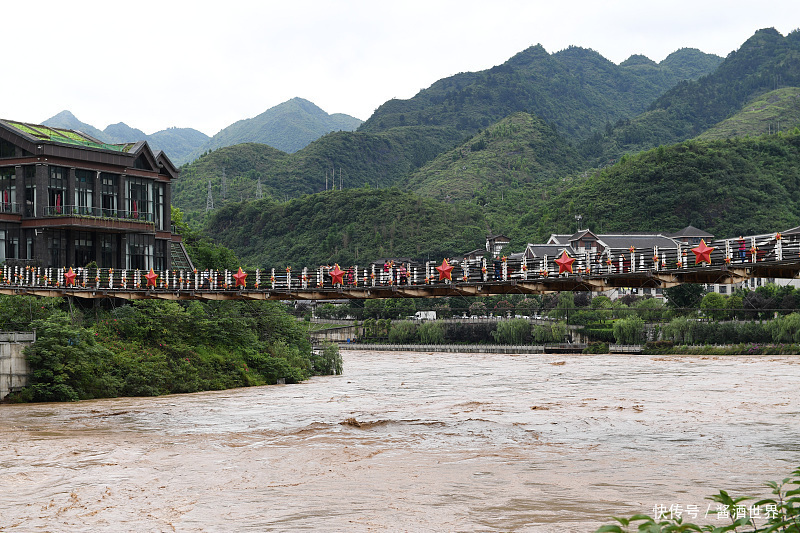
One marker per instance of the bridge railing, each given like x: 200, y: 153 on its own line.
x: 760, y: 248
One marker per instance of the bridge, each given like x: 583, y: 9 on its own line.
x: 720, y: 262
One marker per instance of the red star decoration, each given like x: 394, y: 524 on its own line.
x: 702, y: 252
x: 565, y: 263
x: 240, y: 277
x: 69, y: 277
x: 151, y: 278
x: 337, y: 275
x: 445, y: 270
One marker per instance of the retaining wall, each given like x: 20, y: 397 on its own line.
x: 13, y: 366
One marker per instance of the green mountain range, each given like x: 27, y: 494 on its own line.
x: 577, y: 90
x: 765, y: 62
x: 177, y: 143
x: 464, y: 148
x: 289, y: 127
x: 568, y: 92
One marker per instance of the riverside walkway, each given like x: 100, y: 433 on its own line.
x: 719, y: 262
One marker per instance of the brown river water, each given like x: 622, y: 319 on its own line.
x: 410, y: 442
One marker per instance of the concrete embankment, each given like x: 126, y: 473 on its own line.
x: 467, y: 348
x: 13, y: 366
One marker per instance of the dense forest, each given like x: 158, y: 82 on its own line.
x: 521, y: 149
x: 727, y: 187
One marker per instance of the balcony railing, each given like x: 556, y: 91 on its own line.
x: 10, y: 207
x: 98, y: 212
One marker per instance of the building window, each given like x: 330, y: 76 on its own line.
x: 56, y: 247
x: 723, y: 289
x: 108, y: 250
x: 7, y: 149
x: 108, y: 194
x: 160, y: 257
x: 84, y: 192
x: 8, y: 190
x: 139, y: 251
x: 9, y: 242
x: 84, y: 248
x: 57, y: 190
x: 140, y: 199
x: 158, y: 201
x: 30, y: 190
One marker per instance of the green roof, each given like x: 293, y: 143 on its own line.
x: 61, y: 135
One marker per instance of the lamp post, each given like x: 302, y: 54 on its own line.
x: 578, y: 221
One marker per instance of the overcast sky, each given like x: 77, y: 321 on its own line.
x: 154, y: 64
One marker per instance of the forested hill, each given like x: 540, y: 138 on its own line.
x: 289, y: 127
x: 767, y: 113
x: 576, y: 89
x: 727, y: 187
x: 765, y: 62
x: 517, y: 150
x: 357, y: 159
x: 348, y: 227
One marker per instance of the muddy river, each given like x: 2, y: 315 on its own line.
x: 410, y: 442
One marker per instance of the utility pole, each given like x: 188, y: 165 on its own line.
x: 209, y: 198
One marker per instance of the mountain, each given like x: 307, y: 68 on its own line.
x: 67, y: 120
x: 358, y: 159
x: 350, y: 227
x: 177, y: 143
x: 576, y: 90
x: 288, y: 127
x: 765, y: 62
x: 122, y: 133
x: 727, y: 187
x: 767, y: 113
x: 519, y: 149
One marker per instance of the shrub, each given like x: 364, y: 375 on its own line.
x: 629, y: 330
x: 515, y: 331
x: 431, y: 332
x: 403, y: 332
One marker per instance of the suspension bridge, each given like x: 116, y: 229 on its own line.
x: 718, y: 262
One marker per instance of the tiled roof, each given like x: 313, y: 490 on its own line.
x: 691, y: 231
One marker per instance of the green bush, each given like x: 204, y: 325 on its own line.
x: 156, y: 347
x: 596, y: 347
x: 515, y: 331
x: 403, y: 332
x: 629, y: 330
x: 431, y: 332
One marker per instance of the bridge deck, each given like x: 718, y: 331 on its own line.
x: 216, y: 285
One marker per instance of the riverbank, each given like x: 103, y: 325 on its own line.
x: 468, y: 348
x: 651, y: 348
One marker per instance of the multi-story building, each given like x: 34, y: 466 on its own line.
x: 67, y: 199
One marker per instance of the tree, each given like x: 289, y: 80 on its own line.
x: 685, y: 295
x: 629, y: 330
x: 713, y: 305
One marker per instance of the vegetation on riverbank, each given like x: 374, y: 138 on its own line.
x: 779, y: 512
x: 153, y: 347
x: 765, y: 320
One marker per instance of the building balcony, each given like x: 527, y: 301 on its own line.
x: 93, y: 218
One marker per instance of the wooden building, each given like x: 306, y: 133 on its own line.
x: 67, y: 199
